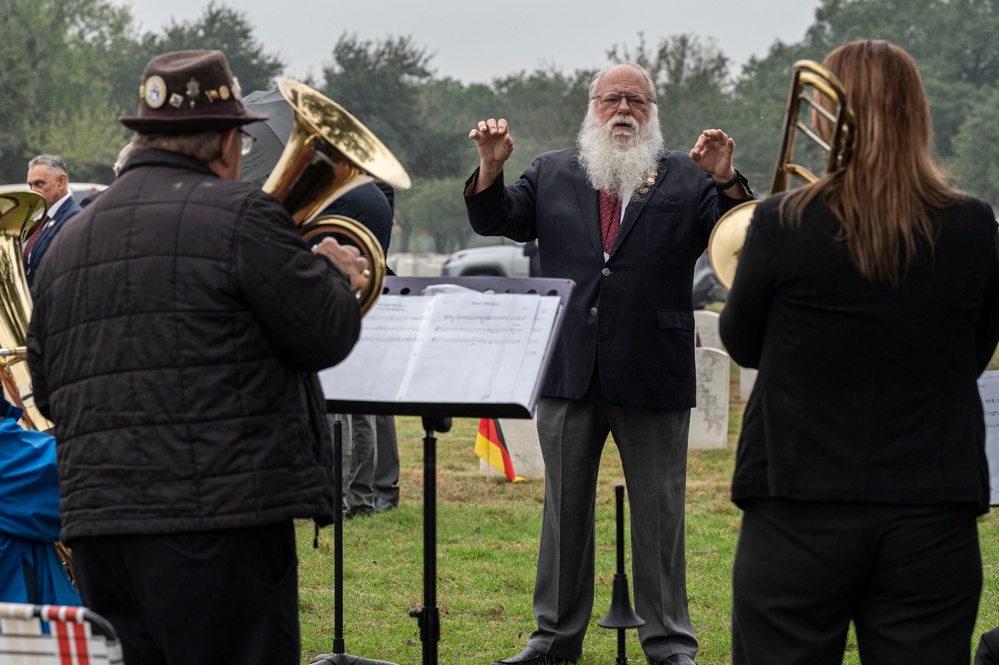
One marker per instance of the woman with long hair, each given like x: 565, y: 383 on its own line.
x: 869, y: 302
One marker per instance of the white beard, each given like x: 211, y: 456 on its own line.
x: 614, y: 160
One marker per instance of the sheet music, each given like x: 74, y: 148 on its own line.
x: 458, y: 346
x: 988, y: 387
x: 379, y: 359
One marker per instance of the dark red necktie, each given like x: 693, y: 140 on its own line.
x: 610, y: 219
x: 34, y: 238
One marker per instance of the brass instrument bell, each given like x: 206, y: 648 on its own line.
x: 729, y: 233
x: 329, y: 153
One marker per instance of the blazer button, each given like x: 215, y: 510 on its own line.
x: 593, y: 311
x: 605, y: 272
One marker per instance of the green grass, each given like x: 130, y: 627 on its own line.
x: 487, y: 545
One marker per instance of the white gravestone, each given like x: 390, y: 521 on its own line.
x: 747, y: 379
x: 709, y: 420
x: 706, y: 329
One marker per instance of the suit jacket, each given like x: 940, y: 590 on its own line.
x: 864, y: 393
x: 629, y: 319
x: 68, y: 208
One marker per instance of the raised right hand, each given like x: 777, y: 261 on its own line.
x: 495, y: 145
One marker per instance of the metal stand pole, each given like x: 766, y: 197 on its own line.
x: 338, y: 657
x: 428, y: 616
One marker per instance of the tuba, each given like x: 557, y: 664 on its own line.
x: 329, y: 153
x: 729, y: 233
x: 20, y: 214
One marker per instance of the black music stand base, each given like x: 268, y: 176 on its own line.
x: 338, y: 657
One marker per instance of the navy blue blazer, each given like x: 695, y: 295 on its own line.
x: 629, y: 319
x: 68, y: 208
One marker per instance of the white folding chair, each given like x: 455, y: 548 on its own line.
x: 56, y: 635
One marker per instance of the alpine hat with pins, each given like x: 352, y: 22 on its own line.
x: 184, y: 92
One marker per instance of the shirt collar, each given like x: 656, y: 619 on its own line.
x: 58, y: 204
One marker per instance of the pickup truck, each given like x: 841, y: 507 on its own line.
x: 515, y: 261
x: 496, y: 260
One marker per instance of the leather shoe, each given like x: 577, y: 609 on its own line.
x: 675, y: 659
x: 531, y: 656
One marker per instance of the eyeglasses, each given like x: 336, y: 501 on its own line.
x: 637, y: 101
x: 248, y: 141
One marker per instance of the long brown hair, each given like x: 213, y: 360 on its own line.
x: 882, y: 197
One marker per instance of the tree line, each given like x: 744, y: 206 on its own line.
x: 70, y: 68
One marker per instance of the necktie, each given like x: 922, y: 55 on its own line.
x: 610, y: 219
x: 34, y: 238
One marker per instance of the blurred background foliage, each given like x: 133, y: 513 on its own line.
x: 69, y: 68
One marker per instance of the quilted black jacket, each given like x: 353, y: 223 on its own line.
x: 178, y: 325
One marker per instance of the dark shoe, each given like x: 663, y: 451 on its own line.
x: 363, y: 511
x: 675, y: 659
x: 381, y: 505
x: 531, y: 656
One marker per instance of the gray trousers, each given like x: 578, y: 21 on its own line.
x: 653, y: 449
x: 358, y: 463
x: 386, y: 463
x: 370, y: 463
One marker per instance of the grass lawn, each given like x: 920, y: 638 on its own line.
x: 487, y: 538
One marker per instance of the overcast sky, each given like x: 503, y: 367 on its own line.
x: 479, y: 41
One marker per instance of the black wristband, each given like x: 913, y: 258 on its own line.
x: 731, y: 183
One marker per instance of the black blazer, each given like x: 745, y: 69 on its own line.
x: 864, y: 393
x: 631, y: 318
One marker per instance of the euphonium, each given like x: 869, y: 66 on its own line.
x: 729, y: 233
x: 329, y: 153
x: 20, y: 214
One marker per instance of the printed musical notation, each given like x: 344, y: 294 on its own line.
x: 455, y: 346
x: 988, y: 388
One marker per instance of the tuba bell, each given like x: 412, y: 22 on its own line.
x: 20, y: 214
x: 729, y: 233
x: 329, y: 153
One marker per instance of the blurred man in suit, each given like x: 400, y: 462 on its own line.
x: 48, y: 176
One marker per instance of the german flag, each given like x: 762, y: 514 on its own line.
x: 490, y: 446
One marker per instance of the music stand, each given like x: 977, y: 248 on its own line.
x: 436, y: 414
x: 339, y: 655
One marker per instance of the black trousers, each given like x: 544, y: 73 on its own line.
x: 908, y: 576
x: 196, y: 598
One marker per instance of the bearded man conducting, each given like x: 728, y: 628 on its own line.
x: 625, y: 219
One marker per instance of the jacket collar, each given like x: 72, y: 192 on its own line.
x: 154, y: 157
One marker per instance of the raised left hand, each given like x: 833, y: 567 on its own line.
x: 713, y: 153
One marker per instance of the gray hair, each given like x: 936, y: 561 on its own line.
x: 202, y: 146
x: 51, y: 162
x: 123, y: 156
x: 595, y: 81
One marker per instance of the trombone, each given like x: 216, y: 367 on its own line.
x: 729, y: 233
